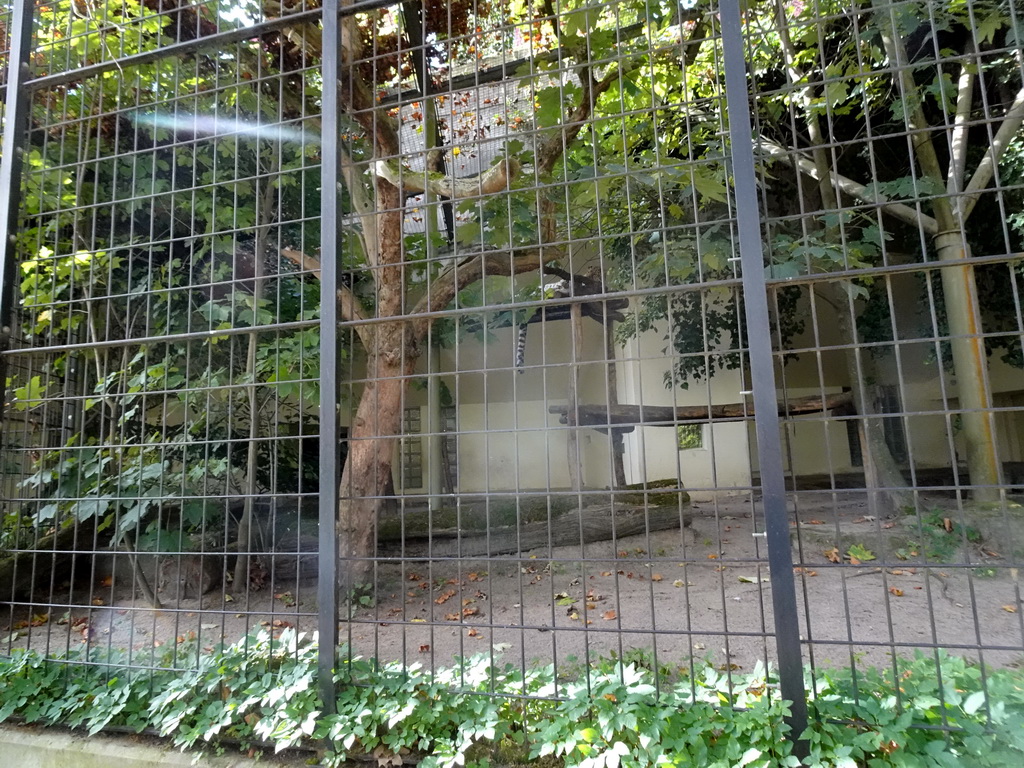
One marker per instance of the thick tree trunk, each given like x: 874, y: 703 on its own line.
x: 392, y: 352
x: 366, y: 479
x: 887, y: 489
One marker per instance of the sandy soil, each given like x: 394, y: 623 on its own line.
x: 676, y: 596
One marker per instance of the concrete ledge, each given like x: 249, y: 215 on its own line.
x: 32, y: 746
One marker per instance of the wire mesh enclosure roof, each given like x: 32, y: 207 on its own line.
x: 551, y: 331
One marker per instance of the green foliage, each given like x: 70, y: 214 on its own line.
x: 878, y: 718
x: 861, y: 553
x: 941, y: 537
x: 930, y: 711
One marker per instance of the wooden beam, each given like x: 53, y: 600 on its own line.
x: 603, y: 417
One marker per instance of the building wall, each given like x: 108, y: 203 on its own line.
x: 721, y: 465
x: 509, y: 441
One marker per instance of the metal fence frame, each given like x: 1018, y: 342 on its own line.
x: 755, y: 286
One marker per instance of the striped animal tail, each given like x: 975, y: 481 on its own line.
x: 521, y: 347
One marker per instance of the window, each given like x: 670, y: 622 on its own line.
x: 689, y: 436
x: 412, y: 449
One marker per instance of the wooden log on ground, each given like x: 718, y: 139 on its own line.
x: 594, y: 523
x: 31, y: 567
x: 628, y: 416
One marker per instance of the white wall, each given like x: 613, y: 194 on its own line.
x: 722, y: 465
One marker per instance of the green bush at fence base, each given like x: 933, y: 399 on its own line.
x: 938, y: 711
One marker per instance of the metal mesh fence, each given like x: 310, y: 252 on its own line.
x: 610, y: 365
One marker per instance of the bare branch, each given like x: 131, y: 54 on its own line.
x: 850, y: 187
x: 495, y: 179
x: 1012, y: 122
x: 921, y: 140
x: 349, y: 306
x: 958, y: 143
x: 468, y: 271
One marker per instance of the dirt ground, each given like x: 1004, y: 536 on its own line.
x: 675, y: 596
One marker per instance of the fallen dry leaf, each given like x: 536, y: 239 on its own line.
x: 609, y: 615
x: 896, y: 591
x: 445, y: 596
x: 425, y: 647
x: 473, y: 633
x: 451, y: 617
x: 815, y: 522
x: 97, y: 601
x: 656, y: 577
x: 470, y: 611
x: 887, y: 526
x: 413, y: 576
x: 833, y: 555
x: 1010, y: 608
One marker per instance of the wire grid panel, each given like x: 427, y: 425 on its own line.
x: 891, y: 159
x: 549, y: 447
x: 524, y: 468
x: 162, y: 439
x: 518, y: 192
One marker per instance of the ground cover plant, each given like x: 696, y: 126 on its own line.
x: 940, y: 711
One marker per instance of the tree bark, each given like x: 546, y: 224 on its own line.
x: 366, y: 478
x: 885, y: 484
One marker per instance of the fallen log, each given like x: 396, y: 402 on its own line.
x: 46, y: 559
x: 627, y: 417
x: 594, y: 523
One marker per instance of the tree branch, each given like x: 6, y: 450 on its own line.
x: 958, y: 142
x: 850, y: 187
x: 495, y: 179
x: 446, y: 286
x: 552, y: 149
x: 1012, y: 122
x: 920, y: 138
x: 349, y: 307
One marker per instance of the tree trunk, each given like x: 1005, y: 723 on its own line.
x: 885, y: 484
x: 366, y: 479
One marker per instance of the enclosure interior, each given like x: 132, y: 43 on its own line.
x: 546, y: 442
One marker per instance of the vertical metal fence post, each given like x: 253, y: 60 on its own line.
x: 16, y: 107
x: 766, y: 419
x: 330, y: 469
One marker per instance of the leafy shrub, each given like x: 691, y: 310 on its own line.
x: 937, y: 711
